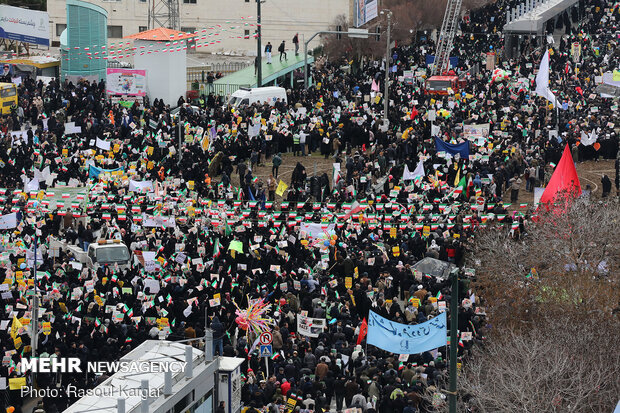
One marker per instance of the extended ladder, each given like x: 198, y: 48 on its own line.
x: 446, y: 36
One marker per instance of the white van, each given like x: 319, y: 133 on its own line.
x: 246, y: 96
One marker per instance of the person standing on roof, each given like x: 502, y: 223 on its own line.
x: 296, y: 43
x: 268, y: 49
x: 282, y: 50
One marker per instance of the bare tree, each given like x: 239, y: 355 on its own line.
x: 553, y: 301
x: 408, y: 17
x: 569, y: 259
x: 555, y: 366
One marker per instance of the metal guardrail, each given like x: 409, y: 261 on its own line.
x: 115, y: 64
x: 199, y: 73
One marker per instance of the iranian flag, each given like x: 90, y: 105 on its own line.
x: 217, y: 249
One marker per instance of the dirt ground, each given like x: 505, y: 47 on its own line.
x: 589, y: 173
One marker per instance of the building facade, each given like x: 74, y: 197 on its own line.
x: 88, y: 28
x: 233, y: 22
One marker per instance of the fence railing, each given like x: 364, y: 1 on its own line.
x: 115, y: 64
x: 218, y: 89
x: 199, y: 73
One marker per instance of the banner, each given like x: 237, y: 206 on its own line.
x: 103, y: 144
x: 407, y: 339
x: 477, y: 133
x: 140, y: 186
x: 310, y: 327
x: 159, y: 221
x: 24, y: 25
x: 8, y: 221
x: 408, y: 77
x: 94, y: 172
x: 130, y: 82
x: 430, y: 59
x: 365, y: 11
x: 461, y: 148
x: 314, y: 230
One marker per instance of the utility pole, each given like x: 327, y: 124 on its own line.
x: 454, y: 321
x: 386, y: 96
x: 259, y: 54
x: 34, y: 334
x: 180, y: 154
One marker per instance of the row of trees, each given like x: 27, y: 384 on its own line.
x: 553, y: 306
x: 409, y: 16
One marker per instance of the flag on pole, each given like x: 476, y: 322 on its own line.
x: 15, y: 327
x: 564, y: 178
x: 363, y: 331
x: 281, y: 188
x: 542, y: 80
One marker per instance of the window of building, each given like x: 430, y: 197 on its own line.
x: 142, y: 29
x: 189, y: 1
x: 246, y: 33
x: 188, y: 29
x: 115, y: 32
x: 60, y: 28
x: 247, y: 1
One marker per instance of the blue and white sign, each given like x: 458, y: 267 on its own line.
x: 407, y: 339
x: 266, y: 350
x: 24, y: 25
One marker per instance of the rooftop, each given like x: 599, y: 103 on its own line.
x: 247, y: 77
x: 151, y: 351
x: 161, y: 34
x: 533, y: 21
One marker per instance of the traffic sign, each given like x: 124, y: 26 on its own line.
x: 265, y: 338
x: 266, y: 350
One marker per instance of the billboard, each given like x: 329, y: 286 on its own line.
x: 129, y: 82
x: 365, y: 11
x: 24, y: 25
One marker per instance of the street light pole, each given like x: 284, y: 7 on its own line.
x: 34, y: 337
x: 259, y: 68
x: 180, y: 154
x: 386, y: 96
x: 454, y: 321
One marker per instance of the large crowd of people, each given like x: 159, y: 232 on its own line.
x: 331, y: 246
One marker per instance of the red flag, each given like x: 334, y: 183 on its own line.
x: 564, y: 178
x: 579, y: 90
x: 363, y: 331
x: 414, y: 113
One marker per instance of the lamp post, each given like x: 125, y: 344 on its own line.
x: 386, y: 96
x: 259, y: 55
x: 454, y: 321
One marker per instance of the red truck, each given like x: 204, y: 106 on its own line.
x: 439, y: 85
